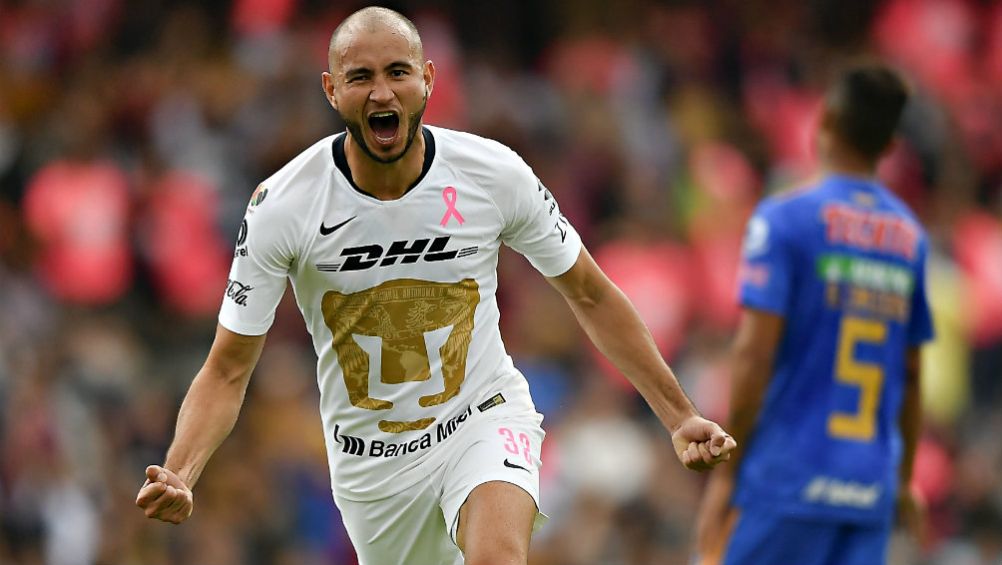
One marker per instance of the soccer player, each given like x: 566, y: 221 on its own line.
x: 390, y: 233
x: 825, y: 398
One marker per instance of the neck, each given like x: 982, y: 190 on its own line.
x: 385, y: 181
x: 848, y: 163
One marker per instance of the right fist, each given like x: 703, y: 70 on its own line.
x: 164, y: 496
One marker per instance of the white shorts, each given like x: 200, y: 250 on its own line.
x: 418, y: 526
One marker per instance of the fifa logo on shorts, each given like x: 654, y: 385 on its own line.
x: 364, y: 257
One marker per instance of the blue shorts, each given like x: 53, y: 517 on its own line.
x: 761, y: 538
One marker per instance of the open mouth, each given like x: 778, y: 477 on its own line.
x: 384, y: 126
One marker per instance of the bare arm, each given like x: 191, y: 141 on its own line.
x: 207, y: 416
x: 911, y: 508
x: 614, y: 326
x: 911, y: 415
x: 213, y: 402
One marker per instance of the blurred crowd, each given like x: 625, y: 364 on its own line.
x: 132, y: 134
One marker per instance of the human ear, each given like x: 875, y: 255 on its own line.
x: 429, y: 78
x: 327, y: 81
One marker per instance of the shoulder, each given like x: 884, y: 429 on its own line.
x: 785, y: 211
x: 476, y: 155
x: 295, y: 186
x: 280, y: 206
x: 793, y: 199
x: 299, y: 176
x: 782, y: 220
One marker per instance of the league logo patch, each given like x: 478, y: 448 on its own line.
x: 260, y: 193
x: 756, y: 237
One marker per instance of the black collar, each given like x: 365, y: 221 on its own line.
x: 341, y: 161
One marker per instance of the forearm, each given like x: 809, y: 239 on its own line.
x: 616, y: 329
x: 207, y: 416
x: 910, y: 419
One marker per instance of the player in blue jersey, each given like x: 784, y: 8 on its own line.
x: 825, y: 398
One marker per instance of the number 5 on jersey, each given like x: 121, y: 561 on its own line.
x: 868, y: 377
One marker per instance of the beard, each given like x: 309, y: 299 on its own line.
x: 413, y: 121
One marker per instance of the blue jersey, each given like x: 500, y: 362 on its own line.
x: 843, y: 263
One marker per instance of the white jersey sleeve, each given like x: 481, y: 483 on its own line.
x: 264, y: 254
x: 534, y: 225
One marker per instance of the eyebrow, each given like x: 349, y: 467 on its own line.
x: 354, y: 71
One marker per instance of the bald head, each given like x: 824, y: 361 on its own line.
x: 368, y: 20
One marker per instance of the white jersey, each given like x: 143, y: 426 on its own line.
x: 398, y: 295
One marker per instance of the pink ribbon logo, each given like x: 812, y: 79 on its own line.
x: 449, y: 196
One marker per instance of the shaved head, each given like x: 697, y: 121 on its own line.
x: 379, y: 82
x: 369, y: 20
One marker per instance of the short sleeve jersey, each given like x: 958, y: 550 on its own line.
x: 398, y: 296
x: 843, y: 264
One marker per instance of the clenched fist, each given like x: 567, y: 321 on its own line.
x: 701, y: 444
x: 164, y: 496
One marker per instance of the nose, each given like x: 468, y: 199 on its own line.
x: 381, y: 92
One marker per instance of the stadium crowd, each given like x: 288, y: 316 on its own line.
x: 133, y: 133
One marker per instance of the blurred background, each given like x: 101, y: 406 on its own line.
x: 133, y: 132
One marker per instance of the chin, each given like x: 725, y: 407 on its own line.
x: 389, y: 155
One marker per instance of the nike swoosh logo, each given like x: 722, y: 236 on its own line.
x: 324, y: 230
x: 514, y: 466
